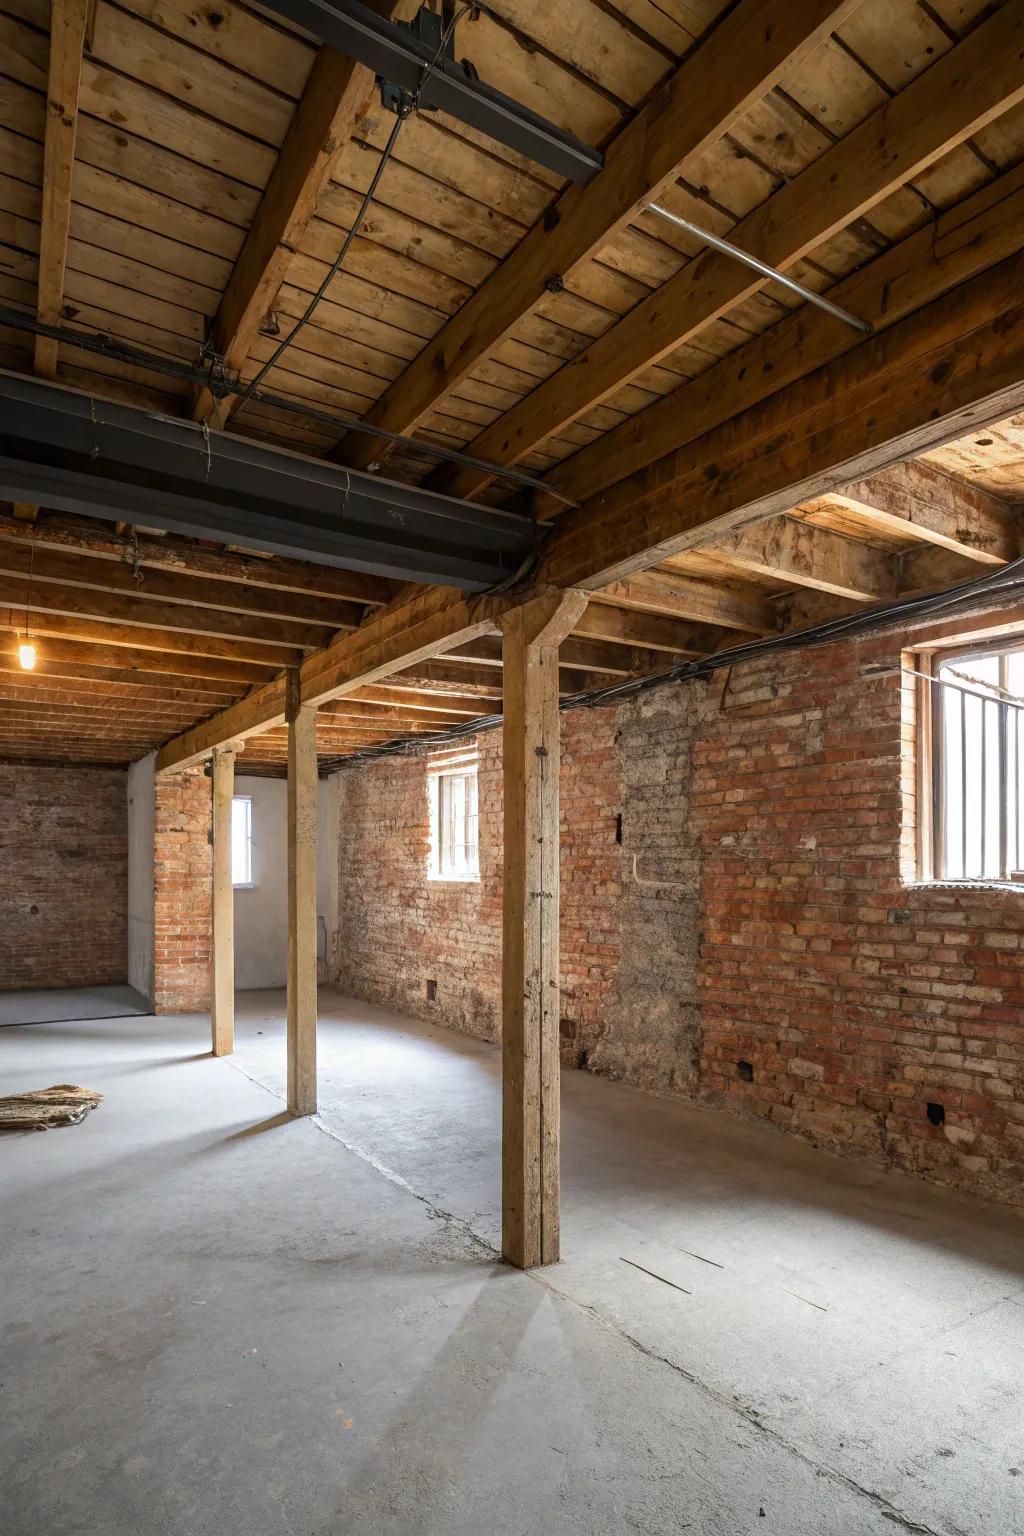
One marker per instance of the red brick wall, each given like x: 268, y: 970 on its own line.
x: 856, y: 998
x: 63, y: 876
x: 397, y: 929
x: 760, y: 909
x: 183, y: 886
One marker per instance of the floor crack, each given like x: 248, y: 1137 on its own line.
x: 749, y: 1416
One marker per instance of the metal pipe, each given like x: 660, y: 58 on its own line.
x: 718, y: 244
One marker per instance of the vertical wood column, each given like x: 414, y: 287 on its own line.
x: 222, y: 1002
x: 302, y: 1000
x: 529, y: 975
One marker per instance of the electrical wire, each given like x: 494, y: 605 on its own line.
x: 1008, y: 579
x: 408, y: 105
x: 223, y: 385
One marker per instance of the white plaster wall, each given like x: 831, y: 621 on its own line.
x: 141, y: 830
x: 261, y: 914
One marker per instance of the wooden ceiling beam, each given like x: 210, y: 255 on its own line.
x: 337, y: 93
x: 593, y: 655
x: 921, y: 501
x: 92, y: 658
x: 684, y: 597
x: 426, y: 625
x: 61, y: 531
x: 90, y: 603
x: 929, y: 568
x: 809, y: 556
x: 68, y: 22
x: 44, y: 682
x: 946, y: 370
x: 963, y: 242
x: 346, y: 711
x: 411, y: 698
x: 171, y: 645
x: 963, y: 90
x: 725, y: 75
x: 654, y: 632
x: 81, y: 570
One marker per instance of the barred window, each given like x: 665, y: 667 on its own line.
x: 976, y: 757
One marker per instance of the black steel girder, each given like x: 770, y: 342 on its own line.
x: 64, y: 449
x: 398, y: 56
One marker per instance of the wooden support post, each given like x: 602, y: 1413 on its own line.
x: 222, y: 1005
x: 529, y: 973
x: 302, y: 1000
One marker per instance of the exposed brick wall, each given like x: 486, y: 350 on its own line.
x: 855, y: 997
x: 182, y: 893
x: 63, y: 876
x: 397, y: 929
x: 760, y: 909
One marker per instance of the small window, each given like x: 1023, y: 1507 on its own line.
x: 454, y: 817
x: 241, y: 840
x: 976, y: 742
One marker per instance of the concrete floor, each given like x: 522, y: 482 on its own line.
x: 58, y: 1005
x: 215, y: 1319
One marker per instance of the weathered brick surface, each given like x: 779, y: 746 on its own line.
x: 856, y: 997
x: 397, y: 929
x: 63, y: 876
x: 183, y: 890
x: 759, y: 910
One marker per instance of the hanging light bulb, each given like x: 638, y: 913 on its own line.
x: 26, y: 655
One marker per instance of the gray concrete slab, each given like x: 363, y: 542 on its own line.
x: 215, y: 1319
x: 55, y: 1005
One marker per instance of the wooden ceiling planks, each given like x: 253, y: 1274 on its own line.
x: 183, y: 112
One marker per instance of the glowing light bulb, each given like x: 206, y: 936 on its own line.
x: 26, y: 655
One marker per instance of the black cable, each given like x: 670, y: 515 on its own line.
x: 407, y: 106
x: 1009, y: 578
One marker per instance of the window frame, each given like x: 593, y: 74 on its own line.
x: 440, y: 863
x: 248, y: 884
x: 933, y: 695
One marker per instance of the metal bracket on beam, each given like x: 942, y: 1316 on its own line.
x: 398, y: 55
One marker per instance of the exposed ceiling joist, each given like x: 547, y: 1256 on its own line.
x: 920, y: 501
x: 68, y: 22
x: 99, y: 539
x: 967, y: 240
x: 808, y: 556
x: 338, y: 90
x: 107, y: 634
x: 957, y: 363
x: 144, y: 585
x: 978, y: 80
x: 742, y: 59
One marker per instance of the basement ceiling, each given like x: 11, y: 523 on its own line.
x: 191, y: 121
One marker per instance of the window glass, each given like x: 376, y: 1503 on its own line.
x: 978, y: 708
x: 454, y: 818
x: 241, y: 840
